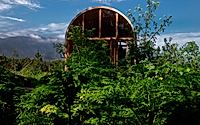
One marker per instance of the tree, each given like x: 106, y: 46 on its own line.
x: 38, y: 56
x: 147, y: 27
x: 60, y: 49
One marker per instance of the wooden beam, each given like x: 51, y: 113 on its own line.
x: 117, y: 23
x: 114, y: 56
x: 117, y: 40
x: 117, y: 54
x: 111, y: 50
x: 83, y: 22
x: 100, y: 12
x: 112, y: 38
x: 109, y: 38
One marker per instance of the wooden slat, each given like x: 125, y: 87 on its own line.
x: 111, y: 51
x: 110, y: 38
x: 83, y: 22
x: 117, y: 23
x: 100, y: 11
x: 116, y: 54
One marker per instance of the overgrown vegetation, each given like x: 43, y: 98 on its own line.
x: 159, y: 89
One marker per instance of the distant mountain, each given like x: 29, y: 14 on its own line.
x: 24, y: 46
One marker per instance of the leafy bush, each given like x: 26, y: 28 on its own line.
x: 162, y: 88
x: 95, y: 92
x: 12, y: 86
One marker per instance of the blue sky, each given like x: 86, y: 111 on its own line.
x: 38, y: 18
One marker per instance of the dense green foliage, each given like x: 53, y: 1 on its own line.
x: 12, y: 86
x: 159, y: 89
x: 18, y: 77
x: 93, y: 91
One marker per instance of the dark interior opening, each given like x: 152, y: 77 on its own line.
x: 91, y: 22
x: 108, y: 26
x: 122, y: 49
x: 124, y: 28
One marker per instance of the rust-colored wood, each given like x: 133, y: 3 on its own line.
x: 111, y: 51
x: 116, y: 54
x: 83, y: 22
x: 69, y: 48
x: 119, y: 24
x: 100, y: 12
x: 110, y: 38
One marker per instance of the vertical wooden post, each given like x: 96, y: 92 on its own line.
x: 116, y: 41
x: 116, y: 25
x: 83, y: 23
x: 65, y: 66
x: 100, y: 12
x: 117, y: 53
x: 111, y: 51
x: 114, y: 52
x: 127, y: 48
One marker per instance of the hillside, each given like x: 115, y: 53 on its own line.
x: 27, y: 47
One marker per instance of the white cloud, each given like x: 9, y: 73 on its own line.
x: 56, y: 26
x: 35, y: 36
x: 8, y: 4
x: 57, y: 31
x: 53, y: 30
x: 61, y: 36
x: 7, y: 23
x: 180, y: 38
x: 4, y: 6
x: 29, y: 3
x: 12, y: 18
x: 107, y: 1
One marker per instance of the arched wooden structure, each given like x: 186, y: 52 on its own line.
x: 109, y: 24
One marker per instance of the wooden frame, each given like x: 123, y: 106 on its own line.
x: 112, y: 40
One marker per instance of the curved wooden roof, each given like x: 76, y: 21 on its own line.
x: 109, y: 23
